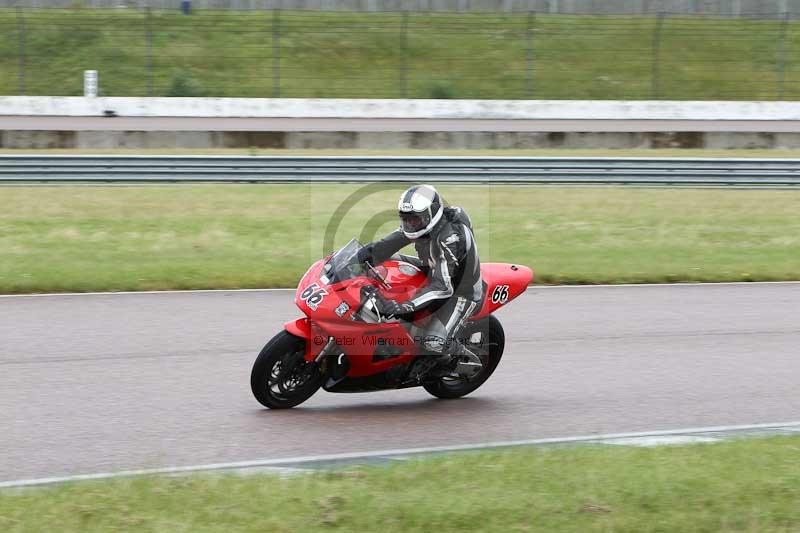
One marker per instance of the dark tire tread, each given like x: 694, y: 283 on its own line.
x: 281, y: 344
x: 441, y: 390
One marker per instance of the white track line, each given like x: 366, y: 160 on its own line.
x: 530, y: 287
x: 281, y: 464
x: 678, y: 284
x: 665, y: 440
x: 187, y: 291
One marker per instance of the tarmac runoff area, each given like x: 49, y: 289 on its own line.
x: 101, y: 385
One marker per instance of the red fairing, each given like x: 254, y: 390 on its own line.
x: 299, y: 328
x: 375, y: 347
x: 320, y: 302
x: 504, y: 282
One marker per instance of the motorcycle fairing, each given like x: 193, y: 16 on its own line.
x: 374, y: 348
x: 504, y: 282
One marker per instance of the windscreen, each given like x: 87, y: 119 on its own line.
x: 344, y: 263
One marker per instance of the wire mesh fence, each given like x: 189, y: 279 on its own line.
x: 759, y: 8
x: 311, y: 54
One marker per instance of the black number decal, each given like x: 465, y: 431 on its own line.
x: 313, y: 295
x: 500, y: 294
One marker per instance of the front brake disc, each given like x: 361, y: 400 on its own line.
x: 288, y: 369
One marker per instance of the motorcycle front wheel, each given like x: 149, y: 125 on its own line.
x: 281, y: 377
x: 486, y: 339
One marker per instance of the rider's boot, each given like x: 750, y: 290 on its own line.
x: 455, y: 360
x: 458, y: 360
x: 434, y: 356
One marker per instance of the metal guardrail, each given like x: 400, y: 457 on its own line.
x: 283, y: 169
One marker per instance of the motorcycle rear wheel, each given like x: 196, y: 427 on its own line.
x: 281, y: 377
x: 489, y: 350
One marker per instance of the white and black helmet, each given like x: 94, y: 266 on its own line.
x: 420, y: 210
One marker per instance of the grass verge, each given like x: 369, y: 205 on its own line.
x: 261, y: 53
x: 55, y: 239
x: 743, y: 485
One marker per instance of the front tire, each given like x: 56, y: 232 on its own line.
x: 281, y: 377
x: 489, y: 349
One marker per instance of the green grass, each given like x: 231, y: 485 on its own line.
x: 456, y: 55
x: 242, y: 236
x: 745, y: 485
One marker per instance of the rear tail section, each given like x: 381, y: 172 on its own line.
x: 502, y: 283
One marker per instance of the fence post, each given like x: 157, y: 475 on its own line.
x: 655, y: 77
x: 404, y: 56
x: 782, y: 55
x: 529, y: 55
x: 149, y: 37
x: 276, y: 53
x: 21, y: 51
x: 90, y: 83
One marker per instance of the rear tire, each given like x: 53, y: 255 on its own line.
x: 448, y: 388
x: 281, y: 377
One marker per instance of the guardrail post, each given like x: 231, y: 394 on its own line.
x: 404, y: 56
x: 529, y: 55
x: 21, y: 51
x: 782, y: 56
x: 276, y: 53
x: 655, y: 78
x: 149, y: 46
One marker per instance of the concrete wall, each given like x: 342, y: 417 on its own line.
x: 441, y: 109
x: 419, y: 109
x: 21, y: 139
x: 764, y: 7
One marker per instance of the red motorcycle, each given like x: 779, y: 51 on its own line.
x: 344, y: 344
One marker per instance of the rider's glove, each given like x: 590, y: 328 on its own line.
x: 362, y: 256
x: 392, y: 308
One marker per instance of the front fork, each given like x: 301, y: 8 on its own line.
x: 330, y: 359
x: 333, y: 362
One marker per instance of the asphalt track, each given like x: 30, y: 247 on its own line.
x: 52, y: 123
x: 98, y: 383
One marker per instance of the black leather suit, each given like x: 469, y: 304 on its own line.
x: 449, y: 257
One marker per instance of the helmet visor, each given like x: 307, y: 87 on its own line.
x: 414, y: 222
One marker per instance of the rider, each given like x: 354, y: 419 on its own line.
x: 443, y: 239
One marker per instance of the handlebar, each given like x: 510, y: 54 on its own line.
x: 374, y: 274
